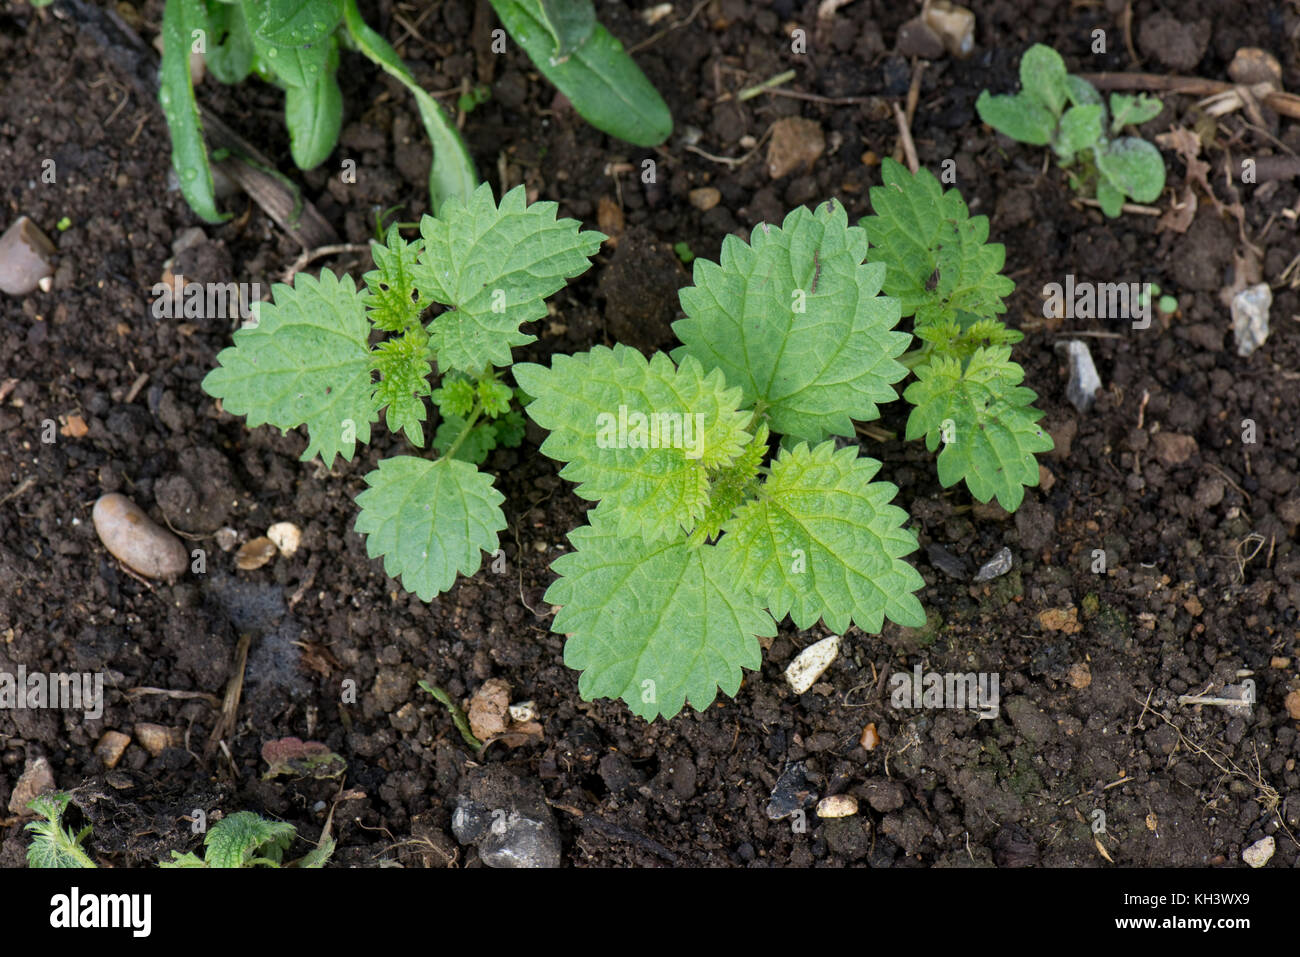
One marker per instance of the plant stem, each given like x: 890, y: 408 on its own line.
x: 469, y: 427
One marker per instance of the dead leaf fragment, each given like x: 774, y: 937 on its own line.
x: 303, y: 759
x: 489, y: 709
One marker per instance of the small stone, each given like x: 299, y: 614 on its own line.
x: 1080, y: 675
x: 1260, y: 853
x: 837, y: 805
x: 796, y: 142
x: 523, y: 711
x: 111, y: 747
x: 1046, y: 478
x: 508, y: 819
x: 609, y: 217
x: 488, y: 709
x: 25, y: 258
x: 226, y: 538
x: 1279, y: 663
x: 954, y: 25
x: 254, y: 554
x: 1061, y: 619
x: 1209, y: 492
x: 791, y: 792
x: 869, y: 740
x: 917, y: 38
x: 946, y: 562
x: 1251, y: 65
x: 135, y: 541
x: 804, y: 671
x: 995, y: 567
x: 286, y: 537
x: 36, y: 779
x: 1293, y: 704
x: 1250, y: 317
x: 74, y: 427
x: 155, y: 738
x: 705, y: 198
x: 1173, y: 448
x: 1084, y: 383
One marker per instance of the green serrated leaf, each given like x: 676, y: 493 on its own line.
x: 654, y: 624
x: 793, y: 318
x: 638, y: 435
x: 494, y: 397
x: 495, y: 266
x: 53, y: 845
x: 306, y: 362
x: 429, y: 520
x: 937, y: 259
x: 1080, y: 128
x: 404, y: 368
x: 1128, y: 110
x: 822, y: 541
x: 1018, y: 116
x: 243, y: 839
x: 985, y: 420
x: 1133, y: 166
x: 510, y: 429
x: 391, y: 296
x: 455, y: 396
x: 730, y: 486
x: 1043, y: 77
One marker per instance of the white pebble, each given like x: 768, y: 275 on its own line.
x: 837, y: 805
x: 1260, y: 853
x: 804, y: 671
x: 135, y: 540
x: 286, y: 537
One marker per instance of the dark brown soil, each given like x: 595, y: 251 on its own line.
x: 1201, y: 579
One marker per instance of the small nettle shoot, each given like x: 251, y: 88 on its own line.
x: 309, y: 361
x: 1058, y: 109
x: 54, y: 845
x: 707, y: 534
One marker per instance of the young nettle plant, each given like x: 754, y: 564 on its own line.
x: 1084, y: 136
x: 706, y: 535
x: 309, y: 361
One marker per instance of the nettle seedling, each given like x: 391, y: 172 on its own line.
x: 309, y: 361
x: 243, y: 839
x: 1084, y: 136
x: 295, y: 44
x: 705, y: 535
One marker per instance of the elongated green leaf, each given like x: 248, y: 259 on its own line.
x: 570, y: 23
x: 937, y: 260
x: 656, y: 625
x: 176, y: 96
x: 793, y: 319
x: 292, y: 66
x: 429, y: 520
x: 306, y: 362
x: 452, y: 173
x: 602, y: 82
x: 822, y: 541
x: 314, y: 113
x: 984, y: 418
x: 638, y: 436
x: 495, y: 267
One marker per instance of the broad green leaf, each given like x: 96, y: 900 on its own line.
x: 1134, y: 166
x: 429, y: 520
x: 1043, y: 77
x: 966, y: 333
x: 1083, y: 93
x: 822, y: 541
x: 985, y: 420
x: 403, y: 366
x: 291, y: 23
x: 306, y: 362
x: 1080, y: 128
x: 603, y: 83
x: 452, y: 172
x: 294, y: 65
x: 495, y: 267
x: 176, y: 96
x: 654, y: 624
x: 937, y: 260
x: 1017, y: 116
x: 639, y: 436
x: 1110, y: 199
x: 314, y: 113
x: 793, y: 318
x: 1128, y: 110
x: 569, y: 22
x: 391, y: 297
x: 243, y: 839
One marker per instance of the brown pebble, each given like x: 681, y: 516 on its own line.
x: 1293, y: 704
x: 134, y: 540
x: 1251, y: 65
x: 870, y: 738
x: 609, y: 217
x: 154, y: 738
x: 1173, y: 448
x: 112, y: 745
x: 36, y: 779
x: 1080, y: 675
x: 796, y: 142
x: 255, y: 554
x: 1280, y: 663
x: 1046, y: 479
x: 705, y: 198
x: 74, y: 427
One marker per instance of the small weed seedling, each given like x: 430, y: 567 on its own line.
x: 294, y: 44
x: 1085, y: 138
x: 309, y: 361
x: 241, y: 840
x: 705, y: 536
